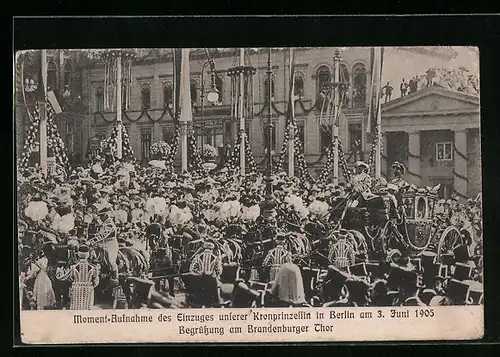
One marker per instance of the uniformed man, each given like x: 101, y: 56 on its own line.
x: 107, y: 238
x: 84, y: 277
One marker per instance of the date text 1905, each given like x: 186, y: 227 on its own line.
x: 407, y: 313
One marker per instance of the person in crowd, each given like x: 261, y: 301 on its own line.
x: 84, y: 277
x: 387, y: 92
x: 403, y: 88
x: 288, y: 287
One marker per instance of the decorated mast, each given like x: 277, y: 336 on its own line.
x: 119, y: 138
x: 291, y: 140
x: 241, y: 114
x: 43, y: 113
x: 185, y: 110
x: 335, y: 117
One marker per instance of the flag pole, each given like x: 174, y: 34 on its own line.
x: 378, y: 148
x: 241, y: 113
x: 43, y: 114
x: 335, y: 136
x: 119, y: 142
x: 291, y: 153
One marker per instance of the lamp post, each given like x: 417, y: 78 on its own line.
x: 268, y: 205
x: 212, y: 95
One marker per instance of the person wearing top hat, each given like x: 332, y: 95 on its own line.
x: 358, y: 291
x: 333, y: 292
x: 84, y: 278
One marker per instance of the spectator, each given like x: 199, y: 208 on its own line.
x: 413, y: 85
x: 388, y: 92
x: 403, y: 87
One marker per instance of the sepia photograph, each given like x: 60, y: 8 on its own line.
x: 209, y: 188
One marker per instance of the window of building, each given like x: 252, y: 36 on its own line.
x: 99, y: 99
x: 219, y: 85
x: 145, y: 98
x: 444, y: 151
x: 68, y: 69
x: 325, y: 140
x: 322, y: 77
x: 194, y: 92
x: 301, y: 134
x: 145, y: 143
x: 446, y: 188
x: 210, y: 134
x: 273, y: 138
x: 298, y: 85
x: 344, y: 77
x: 354, y: 137
x: 359, y: 85
x: 70, y: 133
x: 266, y: 88
x: 168, y: 96
x: 167, y: 134
x: 51, y: 76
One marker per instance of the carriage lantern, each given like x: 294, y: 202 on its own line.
x: 419, y: 212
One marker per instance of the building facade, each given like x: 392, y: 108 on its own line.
x: 434, y: 132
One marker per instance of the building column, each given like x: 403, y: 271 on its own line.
x: 460, y: 165
x: 414, y: 159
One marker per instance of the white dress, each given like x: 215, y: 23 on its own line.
x: 42, y: 289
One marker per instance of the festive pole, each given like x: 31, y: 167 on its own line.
x: 335, y: 124
x: 185, y: 100
x: 242, y: 119
x: 378, y: 152
x: 119, y: 143
x: 43, y: 114
x: 291, y: 141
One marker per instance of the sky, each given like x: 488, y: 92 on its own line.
x: 399, y: 64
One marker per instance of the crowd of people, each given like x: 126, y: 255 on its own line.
x: 114, y: 205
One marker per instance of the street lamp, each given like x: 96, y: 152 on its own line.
x: 268, y: 204
x: 212, y: 94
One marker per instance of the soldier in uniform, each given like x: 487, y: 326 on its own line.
x: 84, y: 277
x: 107, y: 238
x: 277, y: 256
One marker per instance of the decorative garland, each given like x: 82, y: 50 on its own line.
x: 54, y: 140
x: 233, y: 164
x: 323, y: 178
x: 109, y: 146
x: 196, y: 162
x: 160, y: 150
x: 301, y: 165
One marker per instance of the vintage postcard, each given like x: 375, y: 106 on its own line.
x: 249, y: 194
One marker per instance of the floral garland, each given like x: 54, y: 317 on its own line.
x: 233, y: 163
x: 54, y: 140
x: 160, y: 150
x: 373, y: 151
x: 301, y: 167
x: 174, y: 146
x: 329, y: 164
x: 109, y: 146
x: 196, y: 162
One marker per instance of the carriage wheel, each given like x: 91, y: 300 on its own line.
x: 450, y: 239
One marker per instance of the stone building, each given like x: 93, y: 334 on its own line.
x: 435, y: 132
